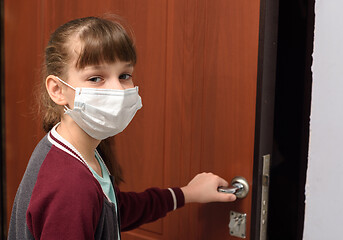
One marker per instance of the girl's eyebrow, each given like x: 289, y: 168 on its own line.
x: 94, y: 67
x: 128, y: 65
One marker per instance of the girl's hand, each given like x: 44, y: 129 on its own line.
x: 203, y: 189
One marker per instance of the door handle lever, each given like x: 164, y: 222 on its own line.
x: 236, y: 187
x: 239, y: 187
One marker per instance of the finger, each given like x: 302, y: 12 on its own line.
x: 222, y: 182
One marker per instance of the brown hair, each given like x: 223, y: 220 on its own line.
x: 101, y: 40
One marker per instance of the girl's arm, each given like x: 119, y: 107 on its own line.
x: 139, y: 208
x: 154, y: 203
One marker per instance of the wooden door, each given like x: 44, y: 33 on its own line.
x: 203, y: 118
x: 197, y: 73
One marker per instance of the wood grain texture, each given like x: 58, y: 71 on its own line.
x: 22, y: 74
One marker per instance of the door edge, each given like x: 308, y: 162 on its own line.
x: 265, y: 97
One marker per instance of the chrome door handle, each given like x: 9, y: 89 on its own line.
x: 239, y: 187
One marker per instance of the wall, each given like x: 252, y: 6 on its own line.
x: 324, y: 191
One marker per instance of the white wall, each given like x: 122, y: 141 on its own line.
x: 324, y: 187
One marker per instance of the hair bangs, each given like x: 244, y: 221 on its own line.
x: 105, y: 41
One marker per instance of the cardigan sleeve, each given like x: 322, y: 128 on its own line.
x: 139, y: 208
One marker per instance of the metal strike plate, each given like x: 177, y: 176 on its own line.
x: 237, y: 224
x: 265, y: 197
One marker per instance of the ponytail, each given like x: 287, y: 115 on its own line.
x: 105, y: 149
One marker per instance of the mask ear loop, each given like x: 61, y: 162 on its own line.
x: 66, y: 109
x: 65, y: 83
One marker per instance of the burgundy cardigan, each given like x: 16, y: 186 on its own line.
x: 58, y: 198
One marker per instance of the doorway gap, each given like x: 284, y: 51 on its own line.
x: 291, y: 119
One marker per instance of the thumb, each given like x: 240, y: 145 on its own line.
x: 226, y: 197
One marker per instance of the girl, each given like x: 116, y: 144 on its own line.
x: 67, y: 191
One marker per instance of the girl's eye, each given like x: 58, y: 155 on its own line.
x: 125, y: 76
x: 95, y: 79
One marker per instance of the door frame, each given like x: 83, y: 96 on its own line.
x: 292, y: 115
x: 265, y: 104
x: 265, y: 98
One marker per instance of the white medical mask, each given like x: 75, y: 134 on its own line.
x: 103, y: 113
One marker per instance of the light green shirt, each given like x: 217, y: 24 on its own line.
x: 105, y: 181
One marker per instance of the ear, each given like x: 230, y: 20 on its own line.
x: 55, y: 90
